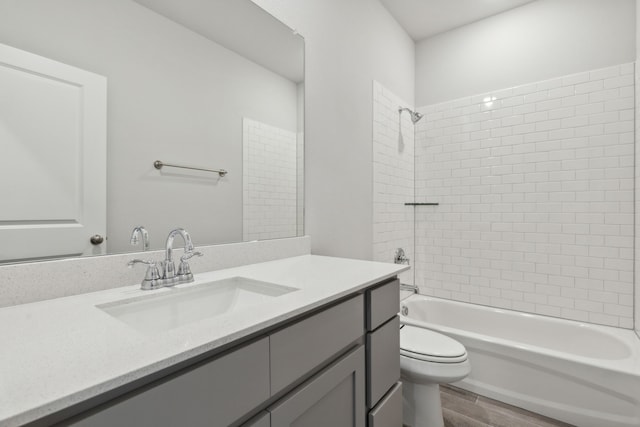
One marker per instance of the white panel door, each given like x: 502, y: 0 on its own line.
x: 52, y: 157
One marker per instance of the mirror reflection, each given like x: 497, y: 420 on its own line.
x: 92, y: 93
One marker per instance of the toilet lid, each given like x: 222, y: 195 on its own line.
x: 424, y: 344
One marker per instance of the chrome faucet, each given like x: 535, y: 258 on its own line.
x: 160, y: 274
x: 184, y: 271
x: 168, y: 265
x: 136, y: 234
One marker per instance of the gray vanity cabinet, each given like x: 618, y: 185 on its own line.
x: 337, y: 366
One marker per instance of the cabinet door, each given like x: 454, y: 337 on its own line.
x: 334, y: 397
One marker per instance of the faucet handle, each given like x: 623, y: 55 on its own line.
x: 190, y: 254
x: 152, y: 276
x: 400, y: 257
x: 133, y: 262
x: 184, y: 270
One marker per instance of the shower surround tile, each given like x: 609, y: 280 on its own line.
x: 393, y: 178
x: 536, y: 192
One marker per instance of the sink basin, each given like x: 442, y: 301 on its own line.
x: 180, y: 306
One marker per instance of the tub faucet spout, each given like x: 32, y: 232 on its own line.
x: 408, y: 287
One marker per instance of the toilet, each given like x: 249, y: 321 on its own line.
x: 428, y: 359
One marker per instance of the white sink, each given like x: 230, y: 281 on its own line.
x: 179, y: 306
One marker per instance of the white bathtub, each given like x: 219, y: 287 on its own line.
x: 582, y: 374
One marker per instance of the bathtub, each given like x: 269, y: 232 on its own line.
x: 582, y: 374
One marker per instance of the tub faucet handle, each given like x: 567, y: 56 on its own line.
x: 400, y: 257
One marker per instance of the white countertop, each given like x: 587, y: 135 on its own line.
x: 60, y: 352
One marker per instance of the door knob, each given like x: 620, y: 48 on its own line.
x: 96, y: 239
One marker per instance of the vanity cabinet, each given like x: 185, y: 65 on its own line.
x: 319, y: 369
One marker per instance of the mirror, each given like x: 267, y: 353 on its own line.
x: 198, y: 83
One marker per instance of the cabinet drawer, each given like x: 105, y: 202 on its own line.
x: 383, y: 303
x: 303, y: 346
x: 216, y: 393
x: 388, y: 413
x: 383, y: 360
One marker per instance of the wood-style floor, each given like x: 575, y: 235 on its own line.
x: 461, y: 408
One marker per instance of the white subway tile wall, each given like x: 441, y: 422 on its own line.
x: 269, y: 182
x: 536, y: 192
x: 393, y: 179
x: 300, y: 183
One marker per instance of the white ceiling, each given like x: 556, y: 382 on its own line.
x: 426, y: 18
x: 240, y: 26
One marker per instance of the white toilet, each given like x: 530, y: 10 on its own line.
x: 428, y: 359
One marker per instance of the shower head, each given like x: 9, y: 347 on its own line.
x: 415, y: 116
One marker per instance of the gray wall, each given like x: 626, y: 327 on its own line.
x: 348, y: 44
x: 540, y: 40
x: 172, y: 95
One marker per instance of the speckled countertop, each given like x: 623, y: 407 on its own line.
x: 56, y: 353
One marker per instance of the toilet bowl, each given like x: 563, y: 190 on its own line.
x: 428, y: 359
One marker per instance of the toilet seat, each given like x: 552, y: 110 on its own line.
x: 424, y: 344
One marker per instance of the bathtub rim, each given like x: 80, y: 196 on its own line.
x: 629, y: 365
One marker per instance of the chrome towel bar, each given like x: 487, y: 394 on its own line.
x: 158, y: 164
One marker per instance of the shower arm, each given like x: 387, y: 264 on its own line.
x: 415, y: 116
